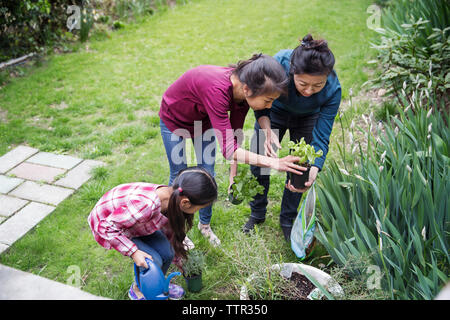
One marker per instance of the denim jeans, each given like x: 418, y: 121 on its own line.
x: 158, y: 246
x: 205, y: 152
x: 299, y: 126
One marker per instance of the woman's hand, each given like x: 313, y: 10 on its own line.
x: 271, y: 139
x: 288, y: 164
x: 312, y: 177
x: 139, y: 258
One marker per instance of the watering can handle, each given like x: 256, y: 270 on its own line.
x: 137, y: 271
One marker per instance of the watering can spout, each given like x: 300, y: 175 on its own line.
x: 169, y: 277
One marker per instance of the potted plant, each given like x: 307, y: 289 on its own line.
x: 307, y: 155
x: 192, y: 270
x: 244, y: 187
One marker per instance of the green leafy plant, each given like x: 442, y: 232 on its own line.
x: 245, y: 186
x: 304, y: 151
x: 414, y: 51
x: 194, y: 264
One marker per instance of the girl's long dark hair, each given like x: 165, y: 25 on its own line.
x: 200, y: 188
x: 263, y: 74
x: 312, y: 57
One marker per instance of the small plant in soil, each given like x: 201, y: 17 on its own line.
x: 307, y: 155
x: 244, y: 188
x: 192, y: 270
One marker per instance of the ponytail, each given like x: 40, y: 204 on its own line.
x: 200, y: 188
x: 312, y: 57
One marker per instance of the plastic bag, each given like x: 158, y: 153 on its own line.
x: 302, y: 234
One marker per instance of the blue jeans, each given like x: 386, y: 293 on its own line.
x: 299, y: 126
x: 158, y: 246
x: 205, y: 152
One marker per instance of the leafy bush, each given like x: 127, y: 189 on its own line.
x: 393, y: 205
x: 414, y: 50
x: 29, y: 25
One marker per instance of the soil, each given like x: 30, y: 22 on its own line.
x: 303, y: 287
x: 299, y: 288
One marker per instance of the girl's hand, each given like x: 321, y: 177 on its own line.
x: 139, y: 258
x: 233, y: 173
x: 312, y: 177
x: 271, y: 139
x: 288, y: 164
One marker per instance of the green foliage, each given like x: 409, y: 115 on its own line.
x: 246, y: 186
x: 29, y: 25
x: 393, y: 205
x: 414, y: 50
x: 305, y: 151
x: 194, y: 264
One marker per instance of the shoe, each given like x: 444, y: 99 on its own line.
x: 175, y: 292
x: 287, y: 233
x: 134, y: 293
x: 250, y: 225
x: 188, y: 244
x: 206, y: 231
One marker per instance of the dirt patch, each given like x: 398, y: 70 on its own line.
x: 300, y: 289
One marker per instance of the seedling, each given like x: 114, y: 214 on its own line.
x: 245, y: 187
x: 307, y: 155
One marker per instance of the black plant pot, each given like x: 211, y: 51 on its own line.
x: 298, y: 181
x: 194, y: 283
x: 233, y: 199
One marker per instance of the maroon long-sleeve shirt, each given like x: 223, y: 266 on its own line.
x: 204, y: 93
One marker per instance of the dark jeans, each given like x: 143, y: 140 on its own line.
x: 158, y: 246
x: 299, y: 126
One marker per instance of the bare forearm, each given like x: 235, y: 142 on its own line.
x: 251, y: 158
x: 264, y: 122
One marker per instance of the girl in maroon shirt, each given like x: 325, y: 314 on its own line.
x: 209, y: 102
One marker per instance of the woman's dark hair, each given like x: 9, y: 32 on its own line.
x: 200, y: 188
x: 262, y: 74
x: 312, y: 57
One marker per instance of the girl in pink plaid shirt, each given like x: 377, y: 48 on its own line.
x: 144, y: 220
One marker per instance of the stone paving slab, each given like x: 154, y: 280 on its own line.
x: 8, y: 183
x: 36, y: 172
x: 23, y: 221
x: 20, y: 285
x: 76, y: 177
x: 24, y: 203
x: 15, y: 157
x: 43, y: 193
x: 55, y: 160
x: 10, y: 205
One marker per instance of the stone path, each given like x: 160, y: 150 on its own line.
x: 32, y: 184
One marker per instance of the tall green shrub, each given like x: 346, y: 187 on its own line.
x: 393, y: 206
x: 414, y: 48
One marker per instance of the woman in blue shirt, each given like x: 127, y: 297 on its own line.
x: 308, y: 111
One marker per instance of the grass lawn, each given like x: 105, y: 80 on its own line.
x: 101, y: 102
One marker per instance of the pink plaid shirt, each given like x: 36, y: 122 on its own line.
x: 127, y: 211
